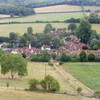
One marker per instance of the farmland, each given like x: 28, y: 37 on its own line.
x: 44, y: 17
x: 87, y: 73
x: 5, y: 29
x: 6, y: 94
x: 35, y: 70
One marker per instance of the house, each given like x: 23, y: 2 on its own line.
x: 45, y: 47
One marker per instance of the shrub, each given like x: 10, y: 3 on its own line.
x: 75, y: 58
x: 55, y: 86
x: 60, y: 63
x: 91, y: 57
x: 85, y: 47
x: 65, y: 58
x: 58, y: 58
x: 50, y: 84
x: 95, y: 47
x: 79, y: 89
x: 83, y: 56
x: 50, y: 63
x: 33, y: 84
x: 53, y: 55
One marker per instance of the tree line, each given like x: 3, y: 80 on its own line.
x: 44, y: 3
x: 15, y: 10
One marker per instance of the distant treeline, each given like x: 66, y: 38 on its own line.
x: 44, y: 3
x: 15, y: 10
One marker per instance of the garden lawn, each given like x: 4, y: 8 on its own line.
x: 87, y: 73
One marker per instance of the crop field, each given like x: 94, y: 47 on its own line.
x: 3, y: 16
x: 44, y: 17
x: 59, y: 8
x: 5, y: 29
x: 87, y: 73
x: 7, y: 94
x: 35, y: 70
x: 91, y: 8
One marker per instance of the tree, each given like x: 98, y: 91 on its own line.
x: 1, y: 52
x: 50, y: 84
x: 53, y: 55
x: 11, y: 15
x: 84, y: 31
x: 94, y: 42
x: 91, y: 57
x: 65, y: 58
x: 33, y: 84
x: 83, y: 56
x: 48, y: 28
x: 72, y: 27
x: 30, y: 30
x: 95, y: 47
x: 13, y: 63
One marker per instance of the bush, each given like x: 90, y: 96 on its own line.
x: 33, y: 84
x: 50, y: 63
x: 53, y: 55
x: 79, y: 89
x: 50, y: 84
x: 61, y: 63
x: 65, y: 58
x: 58, y: 58
x: 83, y: 56
x: 75, y: 58
x: 91, y: 57
x: 95, y: 47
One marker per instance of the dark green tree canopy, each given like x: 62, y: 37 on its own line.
x: 72, y: 27
x: 84, y: 31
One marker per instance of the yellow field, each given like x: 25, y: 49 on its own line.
x: 5, y: 29
x: 35, y: 70
x: 6, y: 94
x: 59, y: 8
x: 3, y: 16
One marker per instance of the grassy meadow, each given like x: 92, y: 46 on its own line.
x: 35, y: 70
x: 87, y: 73
x: 5, y: 29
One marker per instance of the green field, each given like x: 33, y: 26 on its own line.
x: 44, y: 17
x: 5, y: 29
x: 35, y: 70
x: 87, y: 73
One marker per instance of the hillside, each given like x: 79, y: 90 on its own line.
x: 42, y: 3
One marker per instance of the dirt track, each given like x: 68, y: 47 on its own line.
x: 72, y: 81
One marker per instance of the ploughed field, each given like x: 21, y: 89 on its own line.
x: 5, y: 29
x: 87, y: 73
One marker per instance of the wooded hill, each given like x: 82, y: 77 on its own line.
x: 43, y: 3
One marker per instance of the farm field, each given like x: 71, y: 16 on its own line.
x: 5, y: 29
x: 58, y: 8
x: 44, y: 17
x: 35, y: 70
x: 64, y: 8
x: 87, y: 73
x: 6, y: 94
x: 3, y: 16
